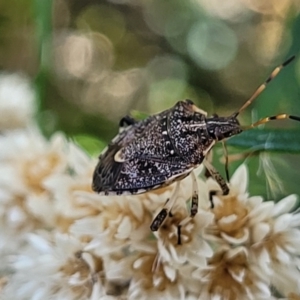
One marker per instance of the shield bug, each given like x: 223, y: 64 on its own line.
x: 167, y: 147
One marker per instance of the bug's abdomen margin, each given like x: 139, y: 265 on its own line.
x: 107, y: 171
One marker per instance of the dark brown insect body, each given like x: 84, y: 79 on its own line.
x: 160, y: 149
x: 167, y: 147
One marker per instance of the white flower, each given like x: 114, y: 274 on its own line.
x: 26, y: 161
x: 120, y: 222
x: 275, y: 242
x: 268, y: 232
x: 16, y: 101
x: 156, y: 279
x: 180, y: 238
x: 242, y: 248
x: 230, y: 275
x: 185, y: 244
x: 231, y: 211
x: 55, y: 269
x: 66, y: 188
x: 28, y: 158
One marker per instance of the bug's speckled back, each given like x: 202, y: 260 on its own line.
x: 154, y: 152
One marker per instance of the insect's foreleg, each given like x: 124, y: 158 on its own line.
x: 218, y: 178
x: 159, y: 219
x: 195, y: 196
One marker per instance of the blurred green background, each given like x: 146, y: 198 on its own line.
x: 93, y: 62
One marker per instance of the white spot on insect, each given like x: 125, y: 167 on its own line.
x: 118, y: 156
x: 199, y: 110
x: 164, y: 132
x: 202, y: 124
x: 172, y: 152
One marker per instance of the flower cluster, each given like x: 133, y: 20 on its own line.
x: 60, y: 240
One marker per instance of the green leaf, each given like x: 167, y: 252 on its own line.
x: 268, y: 139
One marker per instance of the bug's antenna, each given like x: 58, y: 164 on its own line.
x: 268, y: 119
x: 264, y: 85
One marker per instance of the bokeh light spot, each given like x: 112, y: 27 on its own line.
x: 231, y: 10
x: 99, y: 18
x: 113, y: 95
x: 211, y: 44
x: 83, y: 55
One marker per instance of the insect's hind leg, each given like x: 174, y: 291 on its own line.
x: 218, y: 178
x: 159, y: 219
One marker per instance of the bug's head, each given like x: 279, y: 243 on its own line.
x: 220, y: 128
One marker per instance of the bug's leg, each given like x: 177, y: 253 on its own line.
x: 159, y: 219
x: 193, y: 209
x: 179, y: 234
x: 218, y: 178
x: 195, y: 196
x: 226, y: 160
x: 184, y: 222
x: 211, y: 195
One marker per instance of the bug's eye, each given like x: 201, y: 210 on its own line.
x: 215, y: 115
